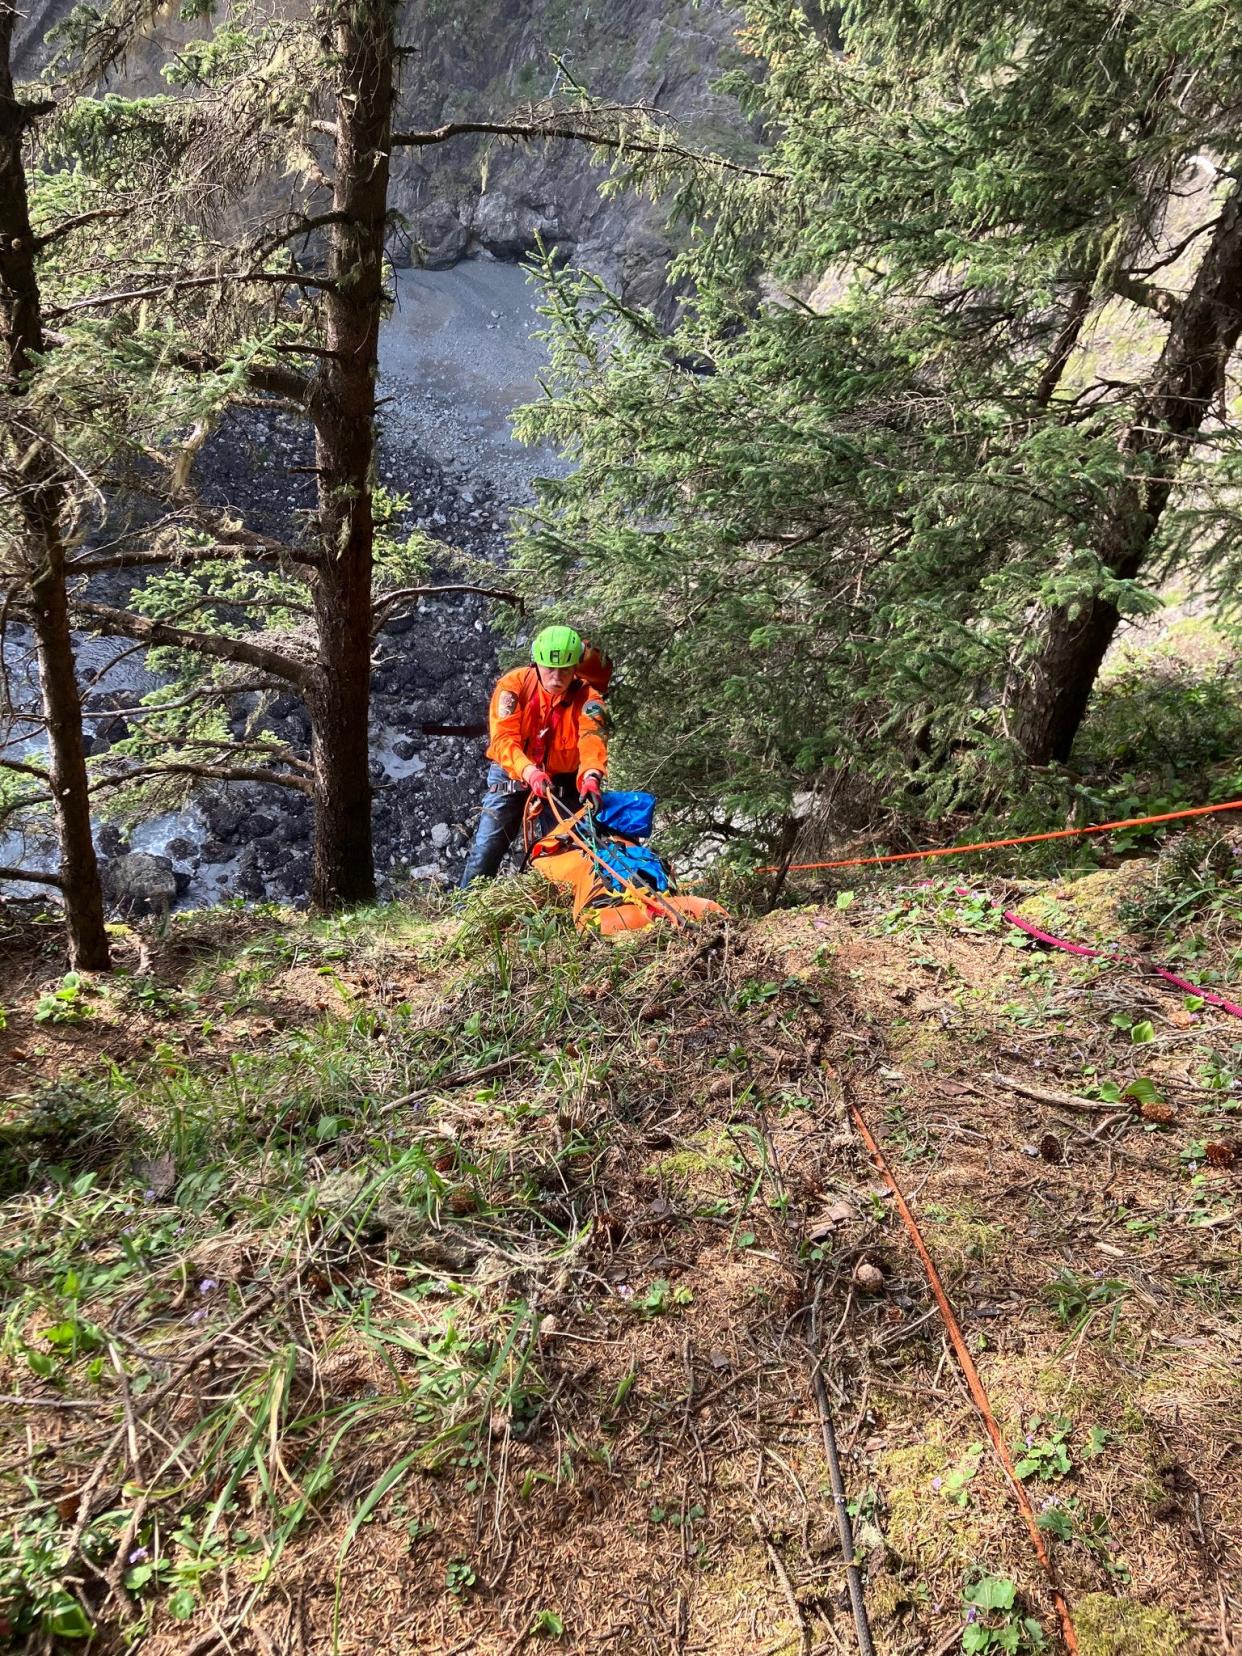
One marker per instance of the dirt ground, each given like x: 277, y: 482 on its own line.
x: 1067, y: 1135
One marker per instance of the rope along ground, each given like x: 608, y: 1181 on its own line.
x: 971, y: 1375
x: 996, y: 845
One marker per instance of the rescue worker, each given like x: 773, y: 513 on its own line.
x: 548, y: 736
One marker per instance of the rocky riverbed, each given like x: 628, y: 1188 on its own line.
x: 457, y: 355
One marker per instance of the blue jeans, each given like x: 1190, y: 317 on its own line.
x: 501, y: 821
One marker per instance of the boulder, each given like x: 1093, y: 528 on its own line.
x: 139, y: 883
x: 110, y: 840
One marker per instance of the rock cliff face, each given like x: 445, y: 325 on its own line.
x: 492, y: 55
x: 484, y: 59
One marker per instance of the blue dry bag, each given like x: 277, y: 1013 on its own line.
x: 634, y: 863
x: 628, y: 814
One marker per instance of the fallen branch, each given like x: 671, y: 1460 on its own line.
x: 31, y: 878
x: 1041, y: 1095
x: 448, y: 1082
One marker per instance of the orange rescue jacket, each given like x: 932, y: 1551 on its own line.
x: 528, y: 728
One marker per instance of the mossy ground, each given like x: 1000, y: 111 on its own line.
x: 477, y: 1271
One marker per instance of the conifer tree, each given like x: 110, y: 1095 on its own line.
x: 946, y: 406
x: 285, y: 309
x: 35, y: 505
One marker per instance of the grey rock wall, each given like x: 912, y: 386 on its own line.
x: 485, y: 59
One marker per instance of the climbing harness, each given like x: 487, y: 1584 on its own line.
x: 996, y: 845
x: 972, y: 1378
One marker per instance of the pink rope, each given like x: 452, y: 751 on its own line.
x: 1212, y: 999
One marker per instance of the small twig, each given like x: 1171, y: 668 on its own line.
x: 449, y: 1081
x: 52, y: 1403
x: 791, y: 1597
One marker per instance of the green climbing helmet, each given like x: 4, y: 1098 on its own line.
x: 556, y: 647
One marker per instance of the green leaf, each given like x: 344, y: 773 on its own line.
x: 1098, y: 1439
x: 1142, y: 1033
x: 845, y: 899
x: 182, y: 1604
x: 1142, y: 1089
x: 67, y: 1619
x: 992, y: 1593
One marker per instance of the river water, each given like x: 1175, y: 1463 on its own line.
x: 458, y: 353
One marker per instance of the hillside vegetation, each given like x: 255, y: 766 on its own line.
x: 404, y: 1281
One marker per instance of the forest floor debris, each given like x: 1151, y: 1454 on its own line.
x: 527, y: 1361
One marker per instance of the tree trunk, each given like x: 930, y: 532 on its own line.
x: 344, y: 412
x: 41, y: 503
x: 1202, y: 335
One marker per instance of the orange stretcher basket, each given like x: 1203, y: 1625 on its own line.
x: 567, y: 860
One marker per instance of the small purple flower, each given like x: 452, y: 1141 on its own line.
x: 935, y: 1483
x: 139, y: 1555
x: 148, y: 1195
x: 1029, y: 1440
x: 1049, y: 1504
x: 972, y: 1615
x: 207, y: 1285
x: 197, y: 1316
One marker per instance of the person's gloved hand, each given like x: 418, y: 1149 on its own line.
x: 590, y: 793
x: 538, y: 781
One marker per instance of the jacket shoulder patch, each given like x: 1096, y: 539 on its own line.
x: 508, y: 704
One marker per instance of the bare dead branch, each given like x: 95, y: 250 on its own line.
x: 382, y: 607
x: 184, y: 284
x: 561, y: 126
x: 70, y: 225
x: 105, y: 618
x: 216, y: 773
x: 28, y: 875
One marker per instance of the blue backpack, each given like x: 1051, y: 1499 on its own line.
x: 627, y: 814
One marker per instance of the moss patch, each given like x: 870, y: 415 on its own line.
x: 923, y: 1528
x: 962, y: 1238
x: 706, y: 1164
x: 1110, y: 1626
x: 1086, y: 908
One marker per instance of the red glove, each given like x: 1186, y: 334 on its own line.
x: 590, y: 792
x: 538, y: 781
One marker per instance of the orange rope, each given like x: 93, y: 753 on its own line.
x: 973, y: 1381
x: 995, y: 845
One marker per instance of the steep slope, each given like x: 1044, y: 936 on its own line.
x: 397, y: 1283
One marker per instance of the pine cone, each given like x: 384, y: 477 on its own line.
x: 1220, y: 1155
x: 1165, y: 1114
